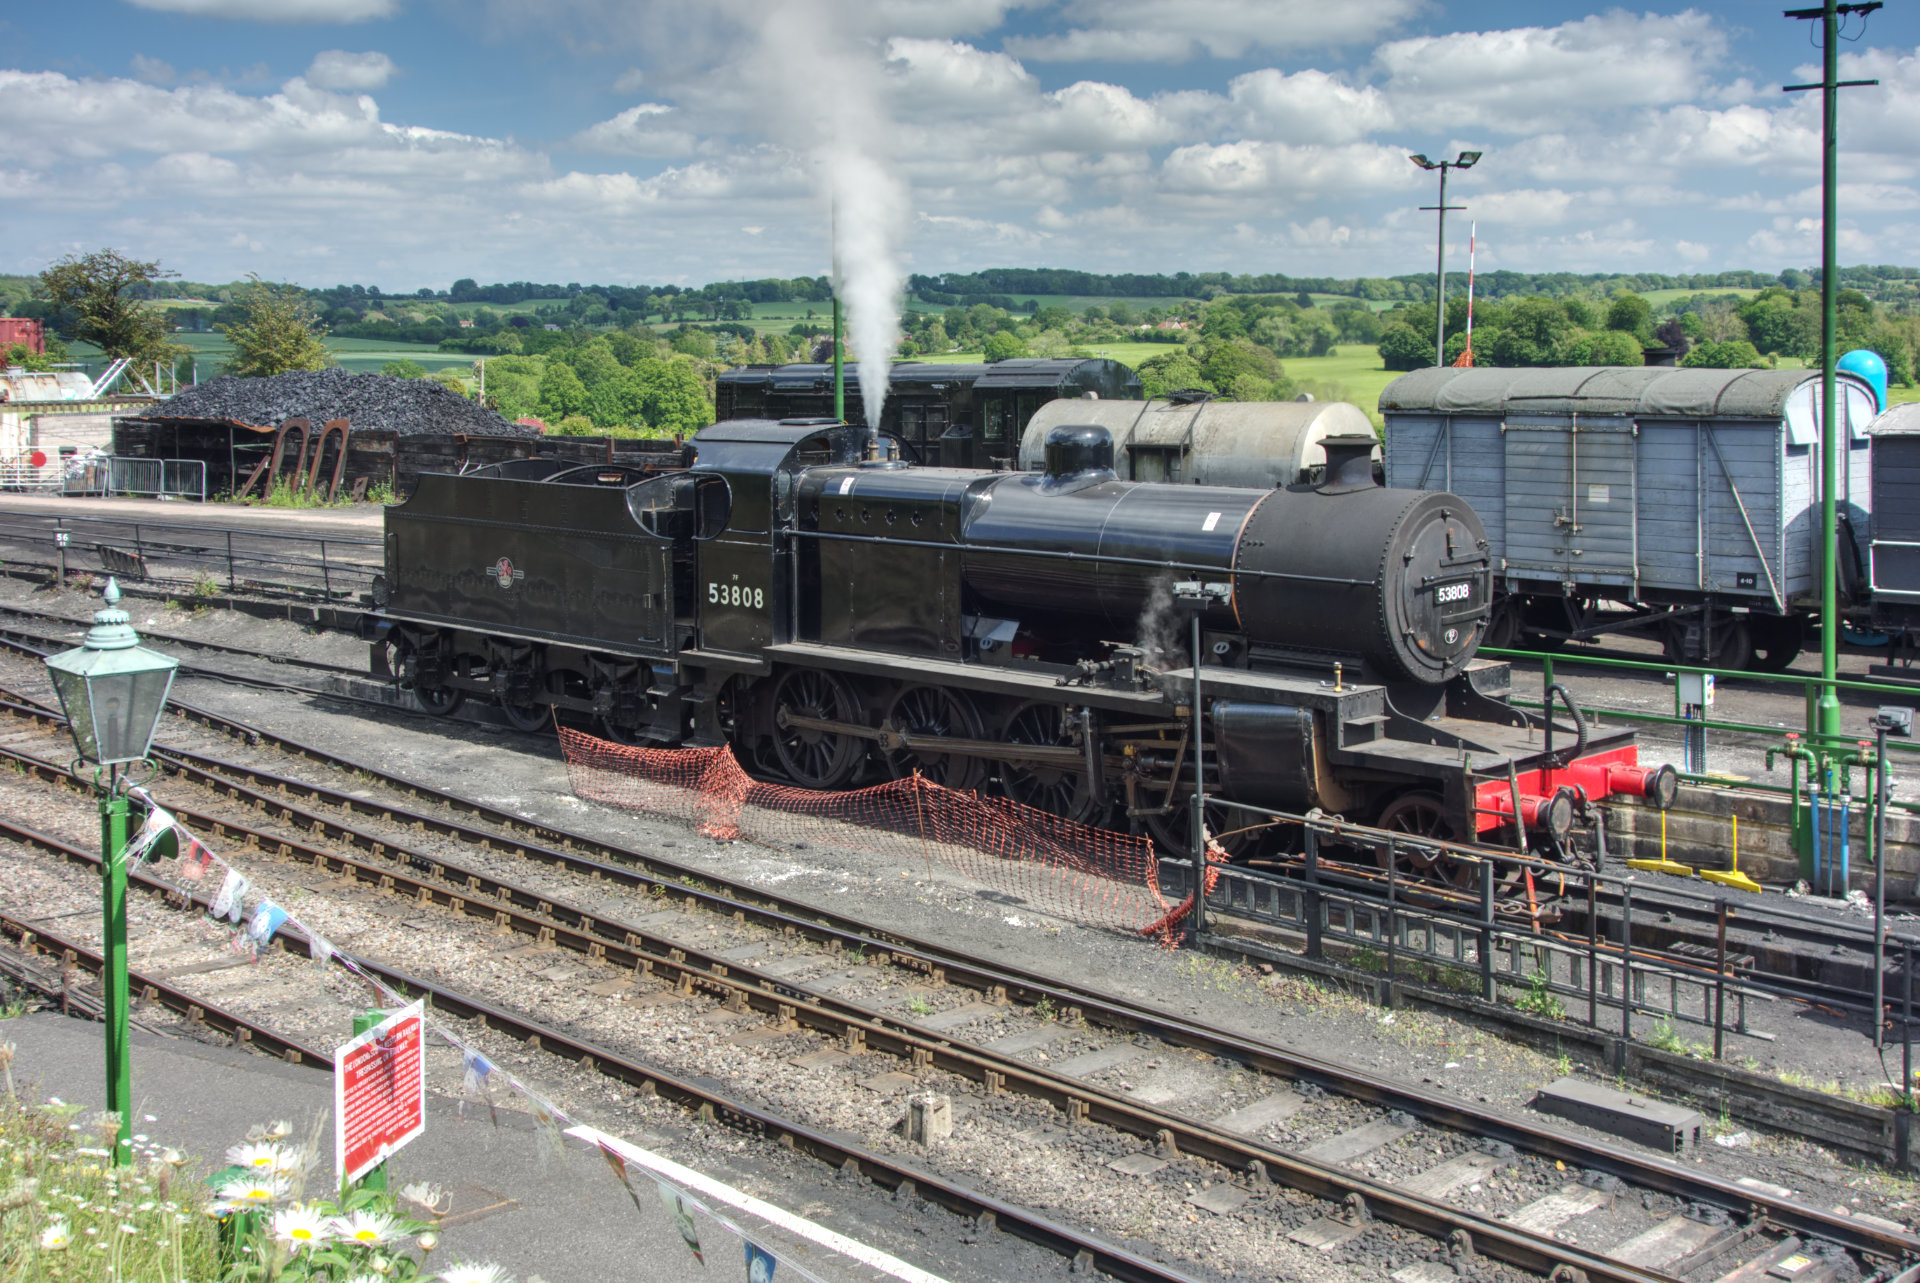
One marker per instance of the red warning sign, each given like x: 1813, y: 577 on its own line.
x: 379, y: 1092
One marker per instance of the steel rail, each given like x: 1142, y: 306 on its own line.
x: 712, y: 1105
x: 594, y: 935
x: 174, y: 639
x: 1080, y: 1102
x: 145, y: 988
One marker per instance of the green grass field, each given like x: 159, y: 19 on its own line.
x: 362, y: 356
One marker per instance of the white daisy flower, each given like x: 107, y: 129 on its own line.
x: 57, y: 1237
x: 368, y: 1228
x: 254, y: 1157
x: 254, y: 1191
x: 477, y: 1274
x: 299, y: 1226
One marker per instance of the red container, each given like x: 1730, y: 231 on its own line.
x: 16, y: 329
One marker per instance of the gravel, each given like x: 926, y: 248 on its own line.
x: 371, y: 402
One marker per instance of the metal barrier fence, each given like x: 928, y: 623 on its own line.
x: 180, y: 478
x: 1799, y: 747
x: 255, y: 561
x: 1498, y: 929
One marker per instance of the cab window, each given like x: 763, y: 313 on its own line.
x: 1028, y: 404
x: 681, y: 506
x: 996, y: 422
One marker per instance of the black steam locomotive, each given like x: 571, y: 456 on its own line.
x: 834, y: 616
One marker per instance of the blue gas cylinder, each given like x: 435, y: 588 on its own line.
x: 1866, y: 364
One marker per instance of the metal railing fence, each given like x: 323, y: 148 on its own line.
x: 256, y: 561
x: 181, y: 478
x: 1497, y: 929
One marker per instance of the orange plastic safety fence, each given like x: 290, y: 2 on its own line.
x: 1059, y: 867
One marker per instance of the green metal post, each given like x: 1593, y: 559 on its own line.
x: 1829, y: 433
x: 839, y: 368
x: 1440, y: 325
x: 376, y: 1179
x: 113, y: 912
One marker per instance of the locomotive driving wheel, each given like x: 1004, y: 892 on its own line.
x: 530, y: 716
x: 814, y: 756
x: 1423, y: 815
x: 1054, y: 789
x: 436, y: 700
x: 928, y: 711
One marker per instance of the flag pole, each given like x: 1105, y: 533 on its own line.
x: 1465, y: 359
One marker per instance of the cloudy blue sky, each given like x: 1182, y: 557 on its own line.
x: 409, y: 142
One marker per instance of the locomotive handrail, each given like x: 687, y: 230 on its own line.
x: 1003, y: 550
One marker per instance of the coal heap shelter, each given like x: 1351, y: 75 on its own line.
x: 336, y: 433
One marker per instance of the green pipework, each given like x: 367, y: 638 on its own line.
x: 1664, y: 719
x: 1802, y: 822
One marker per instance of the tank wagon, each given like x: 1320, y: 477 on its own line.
x: 835, y: 616
x: 1198, y: 440
x: 1684, y: 501
x: 955, y: 416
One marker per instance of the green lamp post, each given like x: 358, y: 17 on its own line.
x: 113, y: 689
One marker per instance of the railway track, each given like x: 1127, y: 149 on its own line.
x: 175, y: 639
x: 757, y: 977
x: 1684, y: 930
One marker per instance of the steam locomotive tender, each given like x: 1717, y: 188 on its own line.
x: 836, y: 617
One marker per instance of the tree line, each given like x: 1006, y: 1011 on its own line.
x: 1706, y: 329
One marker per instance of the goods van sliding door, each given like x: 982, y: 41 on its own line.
x: 1570, y: 502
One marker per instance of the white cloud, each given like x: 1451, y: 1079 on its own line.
x: 629, y: 81
x: 315, y: 11
x: 1157, y: 31
x: 1531, y: 79
x: 1288, y: 173
x: 1528, y: 207
x: 1308, y: 106
x: 338, y: 69
x: 650, y: 129
x: 153, y: 70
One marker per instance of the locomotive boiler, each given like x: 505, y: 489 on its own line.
x: 836, y: 616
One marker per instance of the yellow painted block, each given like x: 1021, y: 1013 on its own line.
x: 1661, y: 866
x: 1732, y: 878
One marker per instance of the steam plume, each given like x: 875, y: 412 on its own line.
x: 828, y: 87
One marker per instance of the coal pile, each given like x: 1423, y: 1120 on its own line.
x: 370, y: 402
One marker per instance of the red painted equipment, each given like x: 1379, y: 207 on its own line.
x: 1600, y: 776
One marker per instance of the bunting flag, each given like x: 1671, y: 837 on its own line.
x: 195, y: 860
x: 619, y: 1166
x: 266, y: 920
x: 232, y: 887
x: 682, y: 1218
x: 473, y: 1084
x: 159, y: 823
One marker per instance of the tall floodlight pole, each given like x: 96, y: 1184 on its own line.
x: 1829, y: 16
x: 1466, y: 160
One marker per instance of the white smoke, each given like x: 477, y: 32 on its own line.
x: 823, y: 80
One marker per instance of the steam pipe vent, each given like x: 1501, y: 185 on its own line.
x: 1078, y: 450
x: 1349, y: 463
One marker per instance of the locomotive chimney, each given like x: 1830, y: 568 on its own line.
x: 1349, y: 463
x: 1077, y: 449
